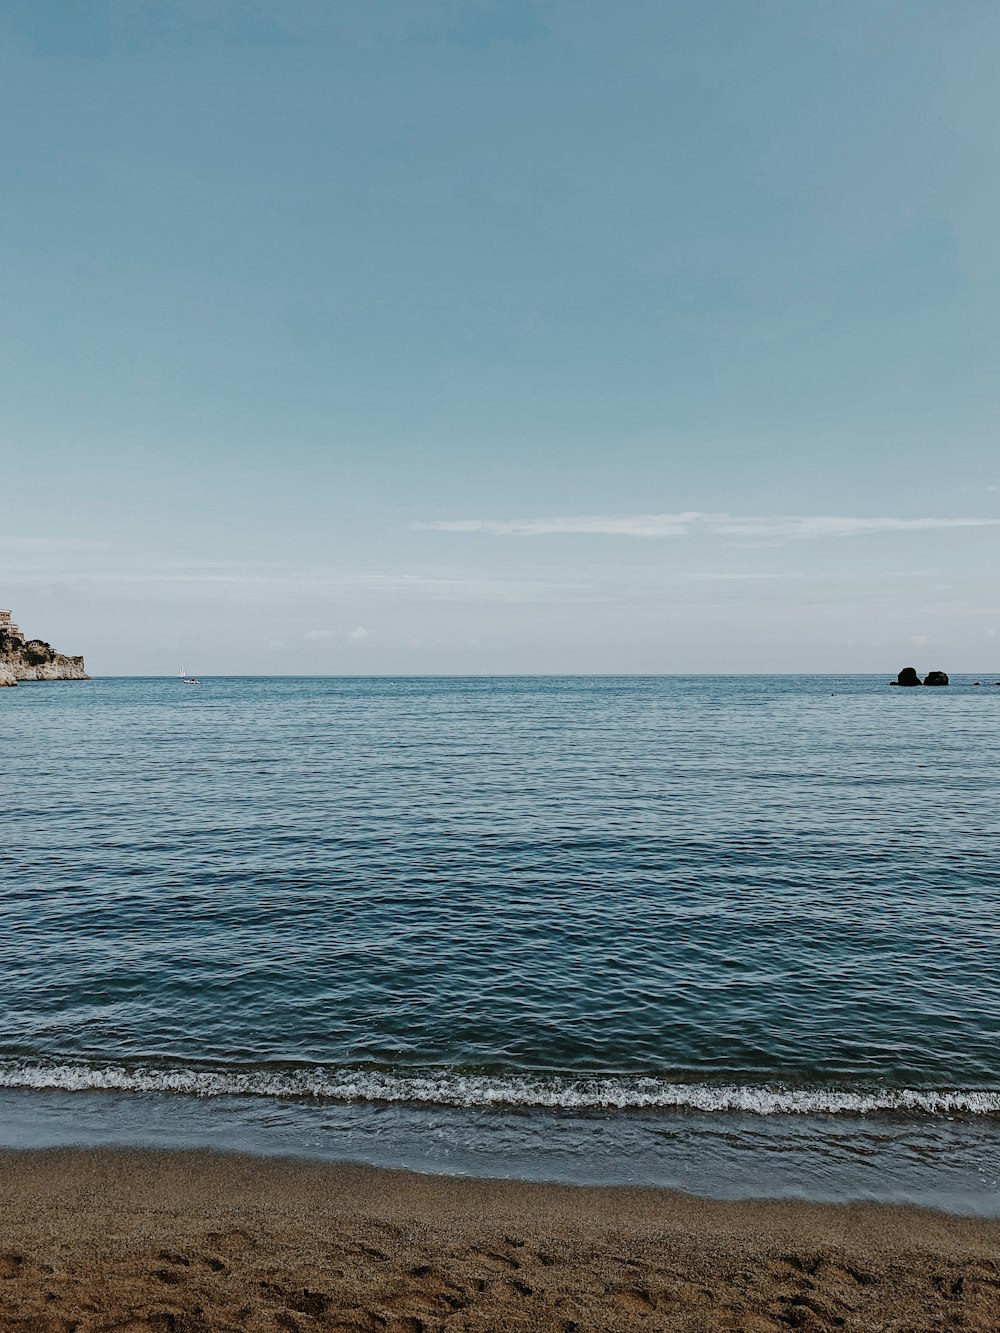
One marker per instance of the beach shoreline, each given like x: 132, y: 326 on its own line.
x: 201, y: 1242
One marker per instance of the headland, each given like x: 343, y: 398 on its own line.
x: 33, y: 659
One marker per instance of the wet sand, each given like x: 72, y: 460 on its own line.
x: 96, y: 1240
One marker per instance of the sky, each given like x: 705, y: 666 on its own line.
x: 475, y: 336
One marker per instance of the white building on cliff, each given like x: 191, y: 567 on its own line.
x: 6, y: 624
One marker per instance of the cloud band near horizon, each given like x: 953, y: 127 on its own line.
x: 785, y: 527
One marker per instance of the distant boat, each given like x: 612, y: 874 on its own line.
x: 185, y: 679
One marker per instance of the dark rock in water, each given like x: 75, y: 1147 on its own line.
x: 936, y: 678
x: 908, y: 676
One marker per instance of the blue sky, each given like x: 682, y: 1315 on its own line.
x: 447, y: 335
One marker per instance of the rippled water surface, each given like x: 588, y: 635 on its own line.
x: 735, y: 896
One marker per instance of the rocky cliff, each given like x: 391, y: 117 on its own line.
x: 34, y: 660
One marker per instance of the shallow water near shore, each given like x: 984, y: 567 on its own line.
x: 733, y: 935
x: 951, y: 1164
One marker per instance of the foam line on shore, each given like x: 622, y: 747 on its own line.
x: 471, y: 1090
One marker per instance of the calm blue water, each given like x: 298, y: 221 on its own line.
x: 588, y: 923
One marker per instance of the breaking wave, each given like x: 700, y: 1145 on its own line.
x: 469, y: 1090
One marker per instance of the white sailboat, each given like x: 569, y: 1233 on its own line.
x: 185, y: 679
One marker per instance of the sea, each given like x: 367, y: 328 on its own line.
x: 738, y: 936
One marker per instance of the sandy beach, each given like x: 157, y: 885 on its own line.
x: 190, y: 1242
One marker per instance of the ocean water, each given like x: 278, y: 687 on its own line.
x: 738, y: 935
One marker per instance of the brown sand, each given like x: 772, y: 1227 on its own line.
x: 185, y: 1243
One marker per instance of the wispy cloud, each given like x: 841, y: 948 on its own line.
x: 825, y: 526
x: 43, y: 545
x: 782, y: 528
x: 357, y: 635
x: 632, y: 525
x: 255, y: 583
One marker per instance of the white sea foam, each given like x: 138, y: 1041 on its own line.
x: 471, y: 1090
